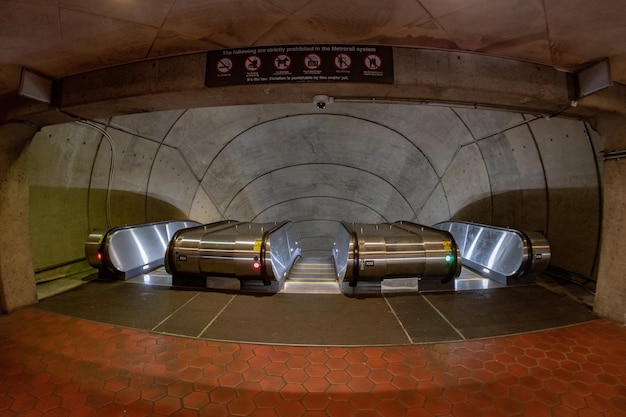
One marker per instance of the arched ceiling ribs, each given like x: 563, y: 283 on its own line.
x: 310, y: 114
x: 469, y: 131
x: 259, y: 177
x: 352, y: 202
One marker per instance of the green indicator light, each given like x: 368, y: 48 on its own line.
x: 449, y: 258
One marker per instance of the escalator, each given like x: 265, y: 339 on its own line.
x: 312, y: 276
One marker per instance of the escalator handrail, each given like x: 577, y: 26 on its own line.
x: 355, y: 250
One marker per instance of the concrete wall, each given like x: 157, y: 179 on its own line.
x: 351, y: 161
x: 17, y: 283
x: 79, y: 182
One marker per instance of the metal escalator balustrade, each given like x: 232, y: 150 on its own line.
x: 365, y: 255
x: 124, y: 252
x: 442, y: 253
x: 366, y: 258
x: 185, y: 254
x: 507, y: 256
x: 237, y: 256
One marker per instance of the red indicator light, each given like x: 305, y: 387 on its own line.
x: 99, y: 256
x: 256, y: 265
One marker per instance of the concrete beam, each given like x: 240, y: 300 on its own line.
x: 422, y: 76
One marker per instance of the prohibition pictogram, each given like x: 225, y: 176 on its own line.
x: 343, y: 61
x: 253, y: 63
x: 282, y: 62
x: 312, y: 61
x: 224, y: 65
x: 373, y: 62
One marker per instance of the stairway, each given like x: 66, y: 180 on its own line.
x: 312, y: 276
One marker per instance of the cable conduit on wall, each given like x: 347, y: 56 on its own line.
x: 105, y: 134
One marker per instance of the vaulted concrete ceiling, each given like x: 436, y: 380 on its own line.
x: 63, y: 37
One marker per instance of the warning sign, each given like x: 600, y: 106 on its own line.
x: 343, y: 62
x: 300, y: 63
x: 373, y: 62
x: 312, y: 62
x: 282, y: 62
x: 257, y: 245
x: 253, y: 63
x: 224, y: 65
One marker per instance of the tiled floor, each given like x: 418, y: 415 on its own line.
x: 55, y: 365
x: 320, y: 319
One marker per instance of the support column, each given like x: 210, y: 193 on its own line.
x: 610, y: 298
x: 17, y: 278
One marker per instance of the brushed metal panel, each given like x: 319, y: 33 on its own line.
x: 129, y: 250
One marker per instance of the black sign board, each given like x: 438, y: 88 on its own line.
x: 300, y: 63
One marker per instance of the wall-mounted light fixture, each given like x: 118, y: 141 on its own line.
x: 36, y: 86
x: 590, y: 79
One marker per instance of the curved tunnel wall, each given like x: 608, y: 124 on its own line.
x: 358, y: 162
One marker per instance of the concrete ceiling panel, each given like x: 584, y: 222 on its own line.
x: 145, y: 13
x: 467, y: 187
x: 170, y: 42
x: 200, y: 134
x: 9, y: 77
x: 578, y: 36
x: 30, y: 37
x: 172, y: 181
x: 436, y: 131
x: 321, y: 180
x: 134, y: 157
x: 573, y: 192
x: 103, y: 39
x: 62, y: 156
x: 319, y: 208
x: 203, y: 210
x: 439, y: 8
x: 436, y: 208
x: 133, y: 160
x: 517, y: 180
x: 565, y: 169
x: 234, y: 23
x: 330, y: 139
x: 154, y: 126
x: 400, y: 22
x: 485, y: 123
x: 480, y: 27
x: 24, y: 23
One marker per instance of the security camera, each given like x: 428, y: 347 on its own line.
x: 321, y: 101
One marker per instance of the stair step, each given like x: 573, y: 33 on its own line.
x: 312, y: 275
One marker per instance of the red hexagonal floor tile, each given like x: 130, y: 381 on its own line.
x: 167, y: 405
x: 577, y: 371
x: 196, y: 400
